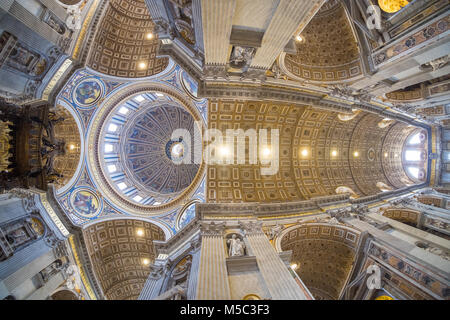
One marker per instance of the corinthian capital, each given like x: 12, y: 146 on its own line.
x: 251, y: 227
x: 156, y: 271
x: 212, y: 228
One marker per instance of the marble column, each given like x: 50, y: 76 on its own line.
x: 154, y: 283
x: 217, y: 20
x: 289, y: 18
x: 279, y: 281
x: 213, y: 276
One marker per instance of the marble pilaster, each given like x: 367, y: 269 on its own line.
x: 217, y: 19
x: 279, y: 281
x: 154, y: 283
x: 213, y: 278
x: 290, y: 17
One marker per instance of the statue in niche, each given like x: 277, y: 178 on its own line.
x: 241, y: 56
x: 55, y: 267
x: 237, y: 247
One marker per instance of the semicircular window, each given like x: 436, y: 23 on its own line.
x: 415, y: 156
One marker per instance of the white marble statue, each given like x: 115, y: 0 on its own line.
x: 237, y: 247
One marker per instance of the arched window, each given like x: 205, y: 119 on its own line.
x: 344, y: 189
x: 386, y: 122
x: 348, y: 117
x: 415, y: 156
x: 383, y: 186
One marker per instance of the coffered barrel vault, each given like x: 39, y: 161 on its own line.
x: 125, y: 44
x: 224, y: 149
x: 318, y: 153
x: 121, y: 251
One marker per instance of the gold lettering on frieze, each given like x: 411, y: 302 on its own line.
x: 66, y: 64
x: 53, y: 215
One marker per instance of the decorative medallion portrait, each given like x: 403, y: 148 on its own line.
x: 189, y: 84
x: 87, y: 92
x: 85, y: 202
x: 187, y: 216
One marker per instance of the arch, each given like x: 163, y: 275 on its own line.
x: 123, y: 46
x: 167, y: 231
x: 329, y: 51
x: 63, y: 105
x: 68, y: 132
x: 121, y: 251
x: 407, y: 216
x: 348, y: 117
x: 391, y: 155
x: 186, y: 215
x: 414, y: 155
x: 317, y: 153
x: 386, y: 122
x: 383, y: 186
x: 324, y: 253
x: 344, y: 189
x: 431, y: 200
x: 64, y: 294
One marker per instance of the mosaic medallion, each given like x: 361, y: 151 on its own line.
x: 88, y: 92
x: 189, y: 84
x: 85, y: 203
x: 187, y: 216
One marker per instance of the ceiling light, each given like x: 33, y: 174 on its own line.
x: 224, y: 151
x: 140, y: 232
x: 145, y: 262
x: 304, y: 152
x: 71, y: 147
x: 299, y: 38
x: 149, y: 36
x: 356, y: 153
x: 385, y: 154
x: 294, y: 266
x: 142, y: 65
x: 266, y: 152
x: 334, y: 153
